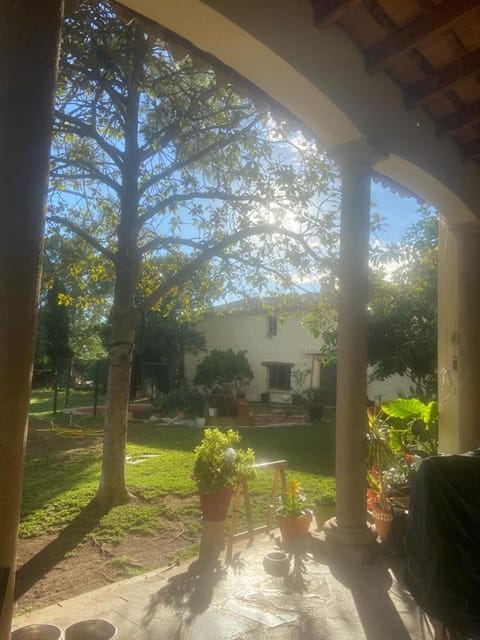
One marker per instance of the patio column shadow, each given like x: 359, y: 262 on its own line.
x: 371, y: 589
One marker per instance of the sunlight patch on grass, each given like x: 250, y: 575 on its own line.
x: 127, y: 518
x: 60, y: 484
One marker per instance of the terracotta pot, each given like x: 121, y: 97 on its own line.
x: 291, y: 527
x: 215, y: 504
x: 383, y: 520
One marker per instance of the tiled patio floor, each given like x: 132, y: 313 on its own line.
x: 327, y: 596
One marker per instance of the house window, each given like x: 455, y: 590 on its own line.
x: 279, y: 376
x: 272, y: 325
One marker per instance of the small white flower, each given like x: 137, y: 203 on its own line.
x: 230, y: 455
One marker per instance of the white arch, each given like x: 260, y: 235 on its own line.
x: 319, y: 76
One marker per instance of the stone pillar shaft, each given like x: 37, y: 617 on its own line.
x: 352, y: 346
x: 468, y: 336
x: 350, y: 526
x: 29, y: 41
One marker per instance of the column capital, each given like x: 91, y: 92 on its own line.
x: 357, y: 152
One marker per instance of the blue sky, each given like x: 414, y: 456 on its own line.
x: 399, y: 212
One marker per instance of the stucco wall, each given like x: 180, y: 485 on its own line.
x: 392, y: 387
x: 293, y: 343
x: 250, y: 331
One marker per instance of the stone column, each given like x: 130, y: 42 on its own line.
x: 350, y: 526
x: 447, y: 339
x: 467, y: 337
x: 29, y: 41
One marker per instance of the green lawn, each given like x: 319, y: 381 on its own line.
x: 63, y: 469
x: 41, y: 401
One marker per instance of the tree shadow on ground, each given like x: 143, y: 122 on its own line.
x: 190, y: 592
x: 39, y: 565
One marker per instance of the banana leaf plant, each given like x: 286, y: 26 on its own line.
x: 414, y: 425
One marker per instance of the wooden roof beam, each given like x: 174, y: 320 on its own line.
x: 405, y: 39
x: 471, y: 150
x: 441, y: 80
x: 459, y: 120
x: 328, y: 11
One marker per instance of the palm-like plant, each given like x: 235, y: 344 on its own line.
x: 380, y: 456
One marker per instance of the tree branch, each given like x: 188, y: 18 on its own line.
x: 114, y: 96
x: 88, y: 130
x: 202, y: 195
x: 156, y: 243
x: 93, y: 242
x: 216, y: 249
x: 214, y: 146
x: 93, y: 173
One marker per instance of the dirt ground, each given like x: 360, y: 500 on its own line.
x: 47, y: 574
x: 90, y: 566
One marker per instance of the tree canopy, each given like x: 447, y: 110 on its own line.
x: 171, y: 172
x: 402, y: 330
x: 224, y: 367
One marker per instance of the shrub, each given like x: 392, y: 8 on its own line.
x: 186, y: 400
x: 219, y: 462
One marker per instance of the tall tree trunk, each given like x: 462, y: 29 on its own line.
x: 113, y: 489
x: 29, y: 42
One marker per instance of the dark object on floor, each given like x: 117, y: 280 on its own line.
x: 277, y: 564
x: 443, y: 541
x: 95, y: 629
x: 395, y: 542
x: 38, y: 632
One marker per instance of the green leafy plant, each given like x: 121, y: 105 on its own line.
x: 292, y: 502
x: 185, y: 399
x: 414, y: 424
x: 316, y: 399
x: 221, y: 367
x: 380, y: 456
x: 220, y: 462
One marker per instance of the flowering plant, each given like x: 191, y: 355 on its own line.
x: 377, y: 489
x: 402, y: 472
x: 220, y: 462
x: 292, y: 502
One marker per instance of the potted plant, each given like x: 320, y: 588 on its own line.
x: 294, y: 518
x: 324, y: 504
x: 219, y: 464
x: 380, y: 459
x: 315, y: 403
x: 378, y: 502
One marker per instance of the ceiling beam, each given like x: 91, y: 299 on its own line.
x: 441, y: 80
x: 328, y: 11
x: 471, y: 150
x: 459, y: 120
x: 408, y: 37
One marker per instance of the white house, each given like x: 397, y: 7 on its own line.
x: 281, y: 350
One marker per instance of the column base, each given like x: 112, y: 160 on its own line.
x: 348, y: 537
